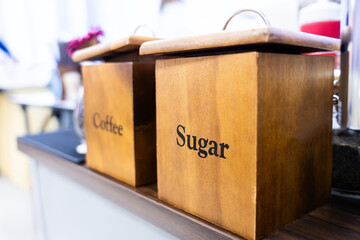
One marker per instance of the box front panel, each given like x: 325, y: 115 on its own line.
x: 109, y: 123
x: 206, y: 137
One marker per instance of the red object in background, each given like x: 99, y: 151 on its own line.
x: 322, y: 17
x: 325, y: 28
x: 85, y: 41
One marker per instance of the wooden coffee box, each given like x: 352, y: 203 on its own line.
x: 244, y: 126
x: 119, y: 108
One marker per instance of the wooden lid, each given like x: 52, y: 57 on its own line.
x: 123, y: 45
x: 267, y: 39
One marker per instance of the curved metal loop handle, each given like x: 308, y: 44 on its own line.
x: 144, y: 26
x: 247, y: 10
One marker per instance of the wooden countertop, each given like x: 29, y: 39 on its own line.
x: 339, y: 219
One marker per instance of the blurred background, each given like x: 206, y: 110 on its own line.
x: 36, y: 74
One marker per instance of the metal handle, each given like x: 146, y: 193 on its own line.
x: 248, y: 10
x: 144, y: 26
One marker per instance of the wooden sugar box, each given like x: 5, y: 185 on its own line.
x: 244, y: 126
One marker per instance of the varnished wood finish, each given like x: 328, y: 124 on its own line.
x: 273, y: 38
x: 196, y: 93
x: 125, y: 92
x: 338, y: 220
x: 123, y: 45
x: 274, y: 112
x: 294, y: 143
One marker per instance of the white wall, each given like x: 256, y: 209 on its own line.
x: 191, y: 17
x: 31, y: 28
x: 27, y: 28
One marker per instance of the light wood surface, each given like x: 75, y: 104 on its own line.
x: 274, y: 113
x: 123, y: 45
x: 268, y: 39
x: 338, y: 220
x: 14, y: 165
x: 124, y: 94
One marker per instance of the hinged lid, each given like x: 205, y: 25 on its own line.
x: 120, y: 46
x: 267, y: 39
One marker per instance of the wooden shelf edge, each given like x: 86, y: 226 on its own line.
x: 136, y: 200
x: 341, y: 214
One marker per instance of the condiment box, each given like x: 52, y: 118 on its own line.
x: 244, y: 126
x: 119, y: 109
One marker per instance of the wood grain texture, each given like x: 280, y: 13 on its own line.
x: 320, y: 229
x: 125, y: 93
x: 342, y: 214
x: 274, y: 112
x: 338, y: 217
x: 274, y: 39
x: 144, y: 122
x: 195, y: 93
x: 294, y: 137
x: 123, y: 45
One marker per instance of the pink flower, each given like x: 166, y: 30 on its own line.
x: 85, y: 41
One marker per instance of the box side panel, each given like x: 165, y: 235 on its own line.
x: 294, y: 137
x: 206, y: 137
x: 145, y: 123
x: 109, y: 123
